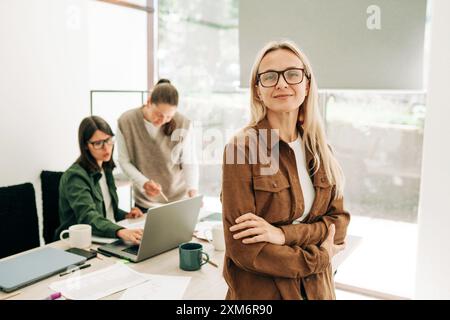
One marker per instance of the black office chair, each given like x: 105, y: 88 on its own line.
x: 50, y: 196
x: 19, y: 228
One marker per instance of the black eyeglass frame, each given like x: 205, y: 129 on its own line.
x: 109, y: 141
x: 304, y: 74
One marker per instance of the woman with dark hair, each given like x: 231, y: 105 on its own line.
x: 156, y: 149
x: 87, y: 192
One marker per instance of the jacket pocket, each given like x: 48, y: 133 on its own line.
x: 272, y: 197
x: 273, y: 183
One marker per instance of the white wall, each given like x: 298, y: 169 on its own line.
x: 43, y: 86
x: 433, y: 259
x: 52, y: 53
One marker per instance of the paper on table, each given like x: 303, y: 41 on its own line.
x: 158, y: 287
x: 98, y: 284
x: 203, y: 230
x: 132, y: 223
x: 102, y: 240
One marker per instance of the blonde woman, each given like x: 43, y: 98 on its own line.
x: 283, y: 226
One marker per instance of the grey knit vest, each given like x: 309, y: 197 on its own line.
x: 156, y: 158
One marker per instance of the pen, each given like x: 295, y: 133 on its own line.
x: 84, y: 266
x: 212, y: 263
x: 164, y: 196
x: 53, y: 296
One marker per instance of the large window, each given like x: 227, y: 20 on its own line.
x: 198, y: 51
x: 378, y: 140
x: 377, y: 137
x: 117, y: 62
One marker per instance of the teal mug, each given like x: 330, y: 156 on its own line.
x: 191, y: 256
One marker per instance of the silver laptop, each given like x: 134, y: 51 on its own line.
x: 30, y: 267
x: 165, y: 228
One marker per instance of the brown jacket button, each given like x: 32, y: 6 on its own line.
x: 274, y: 185
x: 323, y: 179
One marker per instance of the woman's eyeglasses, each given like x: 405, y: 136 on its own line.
x: 99, y: 144
x: 291, y: 76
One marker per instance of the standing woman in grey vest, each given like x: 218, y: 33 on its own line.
x: 156, y: 149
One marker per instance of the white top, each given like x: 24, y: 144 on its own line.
x: 305, y: 181
x: 189, y: 159
x: 107, y: 198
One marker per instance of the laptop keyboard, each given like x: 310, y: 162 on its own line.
x: 133, y: 250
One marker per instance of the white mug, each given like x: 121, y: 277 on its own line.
x: 218, y: 238
x: 80, y: 236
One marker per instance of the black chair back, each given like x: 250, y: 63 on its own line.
x: 50, y: 196
x: 19, y: 228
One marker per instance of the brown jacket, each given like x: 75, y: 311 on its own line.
x: 264, y: 270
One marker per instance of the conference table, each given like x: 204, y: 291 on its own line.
x: 205, y: 284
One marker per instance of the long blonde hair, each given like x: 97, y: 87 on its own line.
x: 314, y: 137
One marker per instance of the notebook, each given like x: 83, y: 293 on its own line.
x: 33, y: 266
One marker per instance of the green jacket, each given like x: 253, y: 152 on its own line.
x: 81, y: 201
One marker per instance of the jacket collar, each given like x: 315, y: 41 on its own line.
x: 95, y: 176
x: 266, y: 137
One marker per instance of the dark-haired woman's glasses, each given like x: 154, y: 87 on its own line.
x: 99, y: 144
x: 270, y: 78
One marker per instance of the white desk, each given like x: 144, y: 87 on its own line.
x: 206, y: 283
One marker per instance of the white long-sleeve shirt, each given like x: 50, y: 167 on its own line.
x: 107, y: 198
x: 305, y: 181
x: 188, y: 160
